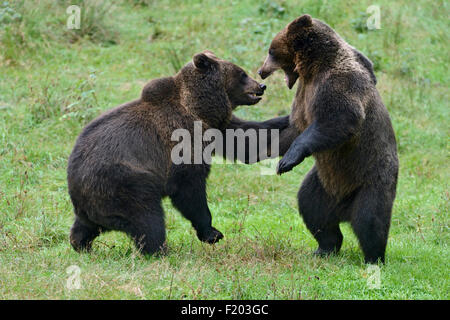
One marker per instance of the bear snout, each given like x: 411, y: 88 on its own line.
x: 263, y: 73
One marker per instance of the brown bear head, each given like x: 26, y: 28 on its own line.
x: 210, y: 88
x: 239, y: 87
x: 302, y: 47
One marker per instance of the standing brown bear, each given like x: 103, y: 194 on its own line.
x: 121, y: 168
x: 340, y: 119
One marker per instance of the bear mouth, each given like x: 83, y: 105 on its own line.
x: 290, y: 78
x: 255, y: 96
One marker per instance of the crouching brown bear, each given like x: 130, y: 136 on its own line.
x: 121, y: 168
x: 339, y: 119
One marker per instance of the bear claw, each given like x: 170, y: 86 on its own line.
x: 212, y: 237
x: 323, y: 253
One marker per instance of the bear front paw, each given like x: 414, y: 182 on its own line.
x: 212, y: 236
x: 284, y: 166
x: 290, y: 160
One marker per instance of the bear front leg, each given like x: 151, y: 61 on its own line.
x: 279, y: 123
x: 190, y: 199
x: 335, y: 122
x: 267, y: 145
x: 296, y: 153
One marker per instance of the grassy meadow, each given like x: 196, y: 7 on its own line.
x: 54, y: 80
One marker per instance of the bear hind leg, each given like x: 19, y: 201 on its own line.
x: 318, y: 211
x: 330, y: 241
x: 370, y: 220
x: 82, y: 234
x: 146, y: 227
x: 149, y: 234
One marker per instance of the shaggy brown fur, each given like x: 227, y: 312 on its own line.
x: 121, y: 167
x: 341, y: 121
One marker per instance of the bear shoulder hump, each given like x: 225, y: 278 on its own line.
x: 158, y: 89
x: 362, y: 59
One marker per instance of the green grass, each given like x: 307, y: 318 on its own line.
x: 54, y: 80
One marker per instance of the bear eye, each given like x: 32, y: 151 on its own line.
x: 243, y: 76
x: 271, y: 52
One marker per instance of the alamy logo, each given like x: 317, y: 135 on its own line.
x: 247, y: 146
x: 73, y: 21
x: 374, y: 20
x: 373, y: 277
x: 74, y: 280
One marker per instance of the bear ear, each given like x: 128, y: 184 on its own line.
x: 303, y: 21
x: 209, y: 53
x: 202, y: 61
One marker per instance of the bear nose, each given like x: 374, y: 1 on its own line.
x: 263, y: 86
x: 262, y: 74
